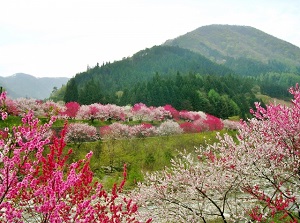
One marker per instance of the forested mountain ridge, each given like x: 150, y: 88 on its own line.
x: 22, y: 85
x: 143, y: 65
x: 241, y: 47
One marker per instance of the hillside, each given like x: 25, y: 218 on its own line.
x: 143, y: 65
x: 24, y: 85
x: 241, y: 48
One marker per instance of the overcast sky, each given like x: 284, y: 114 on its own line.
x: 59, y: 38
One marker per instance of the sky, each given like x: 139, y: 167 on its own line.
x: 60, y: 38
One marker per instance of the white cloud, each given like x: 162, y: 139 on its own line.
x: 62, y: 37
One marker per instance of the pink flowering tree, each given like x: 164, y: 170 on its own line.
x: 122, y: 131
x: 101, y: 112
x: 51, y: 108
x: 3, y: 107
x: 115, y: 131
x: 79, y: 133
x: 254, y: 177
x: 11, y: 107
x: 116, y: 112
x: 174, y: 113
x: 191, y: 115
x: 88, y: 112
x: 24, y: 105
x: 38, y: 184
x: 141, y: 112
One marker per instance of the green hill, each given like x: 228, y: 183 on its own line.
x: 242, y: 48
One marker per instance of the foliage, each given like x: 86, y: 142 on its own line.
x: 276, y: 84
x: 71, y: 93
x: 251, y: 178
x: 195, y: 92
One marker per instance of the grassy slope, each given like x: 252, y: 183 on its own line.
x: 140, y: 155
x: 237, y: 41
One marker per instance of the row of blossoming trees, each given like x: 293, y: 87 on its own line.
x: 253, y: 177
x: 170, y: 120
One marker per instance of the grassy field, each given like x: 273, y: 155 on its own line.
x: 140, y: 155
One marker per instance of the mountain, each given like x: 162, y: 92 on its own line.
x: 219, y: 69
x: 244, y: 49
x: 25, y: 85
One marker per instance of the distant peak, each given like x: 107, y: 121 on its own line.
x: 21, y: 75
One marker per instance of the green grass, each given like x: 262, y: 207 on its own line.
x: 140, y: 155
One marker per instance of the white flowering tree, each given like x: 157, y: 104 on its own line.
x: 254, y: 177
x: 78, y: 133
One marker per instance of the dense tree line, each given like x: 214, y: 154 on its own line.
x: 250, y: 67
x: 222, y: 96
x: 276, y: 84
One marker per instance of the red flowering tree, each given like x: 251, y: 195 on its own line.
x: 174, y: 113
x: 213, y: 123
x: 71, y: 109
x: 189, y: 127
x: 38, y: 184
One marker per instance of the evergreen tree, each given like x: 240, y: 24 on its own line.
x: 71, y: 93
x: 90, y: 94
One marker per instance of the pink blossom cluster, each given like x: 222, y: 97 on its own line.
x: 78, y: 133
x: 202, y: 123
x: 101, y: 112
x: 191, y: 115
x: 122, y: 131
x: 24, y: 105
x: 233, y: 125
x: 143, y: 113
x: 70, y: 111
